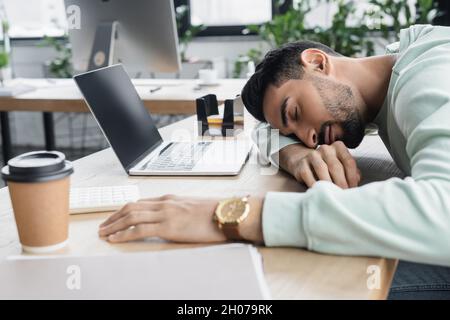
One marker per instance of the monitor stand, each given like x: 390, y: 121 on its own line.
x: 102, y: 54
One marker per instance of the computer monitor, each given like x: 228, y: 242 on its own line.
x: 141, y: 34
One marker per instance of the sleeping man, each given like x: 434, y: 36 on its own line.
x: 321, y: 103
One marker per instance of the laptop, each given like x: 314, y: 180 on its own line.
x: 135, y: 139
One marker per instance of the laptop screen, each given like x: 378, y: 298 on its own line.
x: 121, y: 114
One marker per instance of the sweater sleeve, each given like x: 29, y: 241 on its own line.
x: 407, y: 218
x: 270, y: 142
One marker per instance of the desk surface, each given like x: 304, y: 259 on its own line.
x: 176, y: 96
x: 291, y: 273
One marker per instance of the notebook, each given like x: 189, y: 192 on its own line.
x: 213, y: 273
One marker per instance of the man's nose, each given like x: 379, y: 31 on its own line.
x: 308, y: 137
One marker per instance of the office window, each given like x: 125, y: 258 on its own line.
x: 229, y: 17
x: 230, y: 12
x: 34, y: 19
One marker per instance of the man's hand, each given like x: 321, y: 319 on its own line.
x: 176, y: 219
x: 329, y: 162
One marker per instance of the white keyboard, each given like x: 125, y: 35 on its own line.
x: 101, y: 199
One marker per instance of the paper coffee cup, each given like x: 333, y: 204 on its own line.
x: 39, y: 187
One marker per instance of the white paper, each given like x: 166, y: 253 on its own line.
x: 211, y: 273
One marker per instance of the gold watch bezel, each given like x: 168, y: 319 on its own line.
x: 240, y: 219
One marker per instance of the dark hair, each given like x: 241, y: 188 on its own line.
x: 278, y: 66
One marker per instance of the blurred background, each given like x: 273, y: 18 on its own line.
x: 230, y: 36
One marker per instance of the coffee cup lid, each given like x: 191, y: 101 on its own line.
x: 37, y: 166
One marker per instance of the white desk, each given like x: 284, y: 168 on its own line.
x: 291, y: 273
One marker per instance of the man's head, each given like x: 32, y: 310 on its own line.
x: 297, y: 90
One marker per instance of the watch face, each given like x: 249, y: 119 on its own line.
x: 232, y: 210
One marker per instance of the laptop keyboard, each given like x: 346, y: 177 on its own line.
x: 178, y: 157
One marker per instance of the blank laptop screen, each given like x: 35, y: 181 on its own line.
x: 120, y: 113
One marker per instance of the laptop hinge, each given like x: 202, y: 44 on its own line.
x: 142, y: 156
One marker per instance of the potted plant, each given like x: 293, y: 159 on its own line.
x: 61, y: 65
x: 426, y: 11
x: 5, y: 50
x: 354, y: 40
x: 185, y: 35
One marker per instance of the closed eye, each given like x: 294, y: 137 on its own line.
x: 296, y: 114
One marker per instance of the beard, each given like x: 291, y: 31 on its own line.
x: 340, y: 102
x: 353, y: 130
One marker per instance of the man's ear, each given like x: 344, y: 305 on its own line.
x: 315, y: 60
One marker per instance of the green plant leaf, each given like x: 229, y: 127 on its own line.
x: 4, y: 59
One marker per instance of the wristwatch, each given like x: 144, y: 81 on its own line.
x: 230, y: 213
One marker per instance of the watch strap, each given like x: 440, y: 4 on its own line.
x: 231, y: 231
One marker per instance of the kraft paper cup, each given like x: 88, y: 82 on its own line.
x: 39, y: 187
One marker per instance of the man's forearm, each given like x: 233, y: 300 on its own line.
x: 251, y: 228
x: 328, y: 162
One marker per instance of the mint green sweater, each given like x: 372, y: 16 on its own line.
x: 409, y: 218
